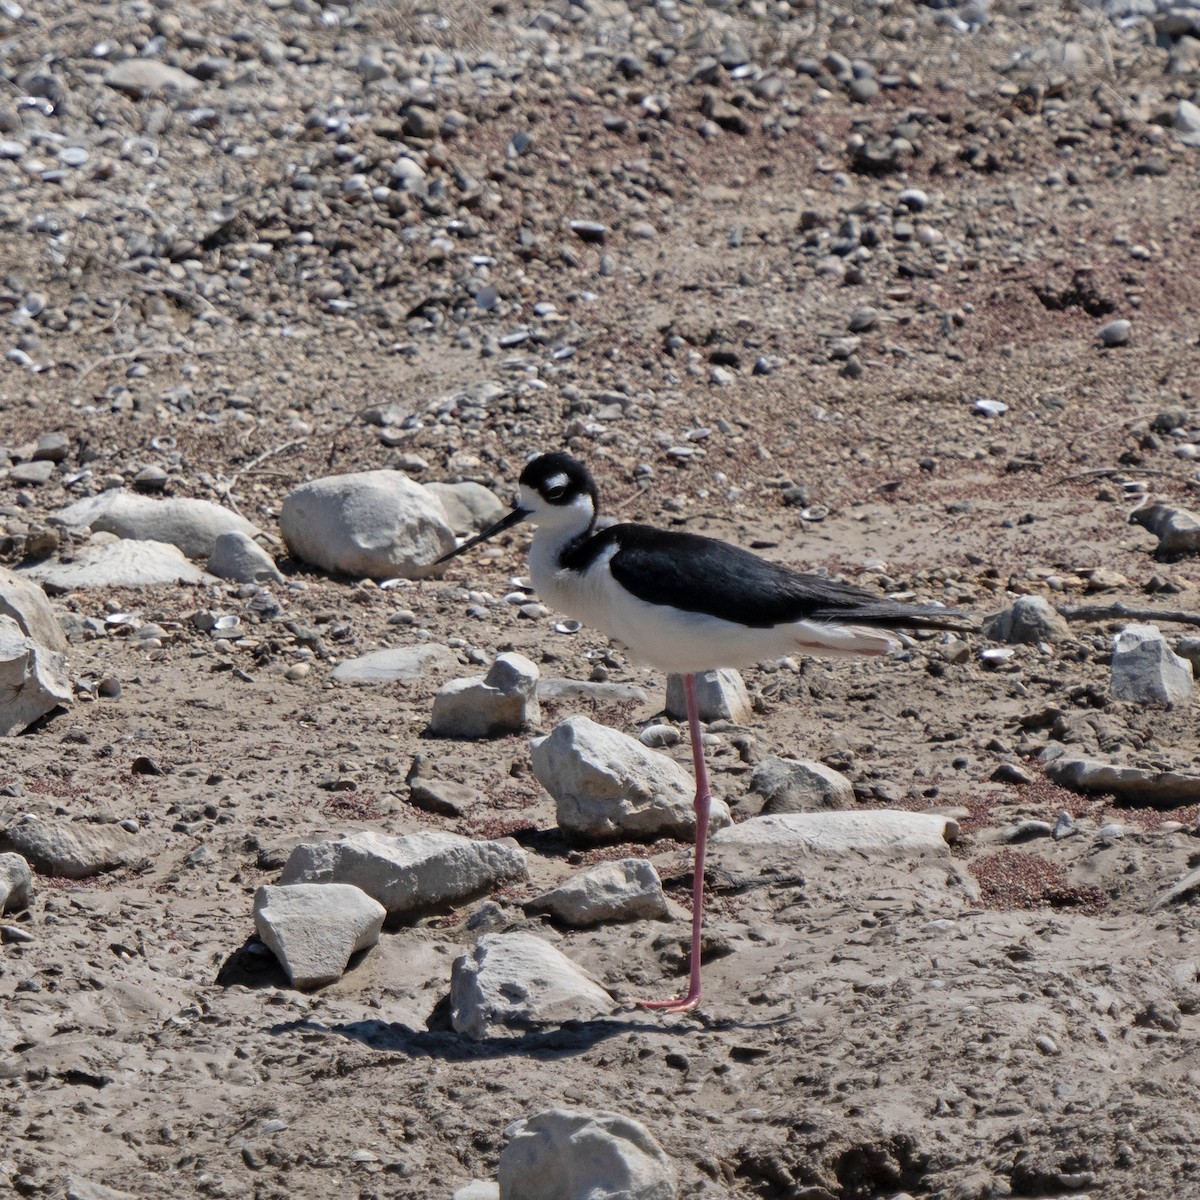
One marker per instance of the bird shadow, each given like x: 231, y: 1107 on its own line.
x: 562, y: 1041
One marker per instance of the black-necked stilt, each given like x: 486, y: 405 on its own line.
x: 686, y: 603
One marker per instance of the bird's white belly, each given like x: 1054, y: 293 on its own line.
x: 673, y: 639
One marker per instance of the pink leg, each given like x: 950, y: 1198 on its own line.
x: 703, y: 803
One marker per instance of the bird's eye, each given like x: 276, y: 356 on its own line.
x: 555, y: 494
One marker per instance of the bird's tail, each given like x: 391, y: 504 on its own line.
x: 892, y: 614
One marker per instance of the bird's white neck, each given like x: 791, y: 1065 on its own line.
x: 558, y: 526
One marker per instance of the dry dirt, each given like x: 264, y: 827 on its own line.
x: 867, y: 1031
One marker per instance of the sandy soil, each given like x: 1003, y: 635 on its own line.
x: 220, y: 294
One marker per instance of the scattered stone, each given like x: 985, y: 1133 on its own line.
x: 53, y: 447
x: 16, y: 883
x: 1014, y: 773
x: 404, y: 664
x: 1064, y: 827
x: 192, y: 525
x: 1029, y: 621
x: 32, y: 473
x: 608, y: 786
x: 408, y: 875
x: 1115, y: 333
x: 441, y: 796
x: 1026, y: 831
x: 314, y: 929
x: 585, y: 1154
x: 1132, y: 785
x: 720, y: 696
x: 881, y: 831
x: 68, y: 849
x: 25, y: 602
x: 105, y: 562
x: 377, y: 524
x: 1177, y: 529
x: 33, y: 679
x: 239, y: 557
x: 789, y: 785
x: 1146, y: 670
x: 658, y: 737
x: 501, y: 702
x: 512, y: 982
x: 477, y: 1189
x: 628, y: 890
x: 142, y: 77
x: 470, y: 507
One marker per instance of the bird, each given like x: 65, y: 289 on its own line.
x: 686, y: 604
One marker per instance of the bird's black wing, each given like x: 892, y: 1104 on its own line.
x: 701, y: 574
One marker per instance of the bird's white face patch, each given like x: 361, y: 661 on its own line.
x: 555, y: 481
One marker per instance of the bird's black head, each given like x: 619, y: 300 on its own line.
x: 558, y: 479
x: 556, y: 490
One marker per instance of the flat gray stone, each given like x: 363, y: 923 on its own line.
x: 1146, y: 670
x: 608, y: 786
x: 79, y: 1188
x: 512, y: 982
x: 585, y: 1154
x: 408, y: 875
x: 720, y: 696
x: 108, y: 562
x: 1030, y: 620
x: 191, y: 525
x: 32, y: 473
x: 628, y: 890
x: 403, y: 664
x: 877, y: 832
x: 25, y: 601
x: 237, y: 556
x: 315, y: 928
x: 16, y: 882
x: 378, y: 524
x: 1133, y: 785
x: 33, y: 679
x: 68, y: 849
x: 501, y: 702
x: 142, y: 77
x: 794, y: 785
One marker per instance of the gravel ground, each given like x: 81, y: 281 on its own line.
x: 825, y: 281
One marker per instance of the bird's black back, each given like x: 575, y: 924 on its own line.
x: 704, y: 575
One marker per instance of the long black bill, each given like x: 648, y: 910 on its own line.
x: 515, y: 517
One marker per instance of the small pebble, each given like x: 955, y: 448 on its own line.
x: 1115, y: 333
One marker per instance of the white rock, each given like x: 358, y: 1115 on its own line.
x: 794, y: 785
x: 1146, y: 670
x: 79, y: 1188
x: 378, y: 524
x: 627, y: 890
x: 314, y: 928
x: 26, y: 603
x: 1177, y: 529
x: 470, y: 507
x: 406, y: 664
x: 106, y: 561
x: 1029, y: 620
x: 477, y: 1189
x: 512, y: 981
x: 607, y: 785
x: 69, y: 849
x: 409, y: 874
x: 33, y: 680
x: 502, y: 701
x: 585, y: 1154
x: 882, y: 831
x: 239, y: 557
x: 720, y: 696
x: 192, y: 525
x: 16, y: 882
x: 145, y: 76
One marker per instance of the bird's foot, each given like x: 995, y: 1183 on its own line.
x: 678, y: 1004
